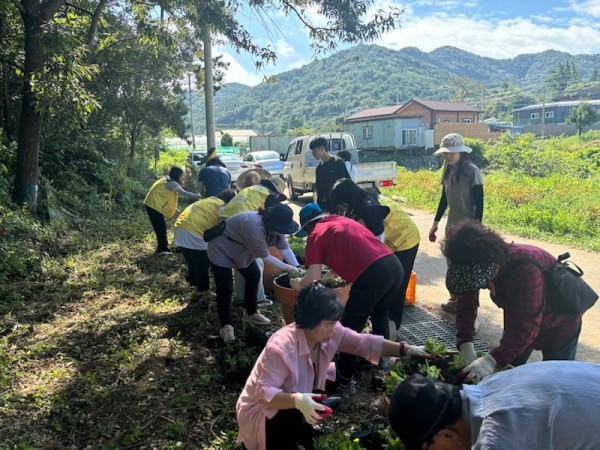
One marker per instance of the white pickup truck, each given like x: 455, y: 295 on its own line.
x: 300, y: 165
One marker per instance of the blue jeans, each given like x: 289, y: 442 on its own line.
x: 565, y: 352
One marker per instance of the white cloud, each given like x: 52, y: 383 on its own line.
x: 493, y: 38
x: 283, y: 49
x: 589, y: 7
x: 236, y: 73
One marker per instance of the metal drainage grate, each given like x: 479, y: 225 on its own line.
x: 418, y: 326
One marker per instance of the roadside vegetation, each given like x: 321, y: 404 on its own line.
x: 102, y: 346
x: 543, y: 188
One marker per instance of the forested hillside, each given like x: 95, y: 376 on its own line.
x: 369, y: 76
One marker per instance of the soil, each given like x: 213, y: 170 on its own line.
x: 284, y: 281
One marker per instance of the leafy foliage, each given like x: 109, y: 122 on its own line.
x: 435, y: 347
x: 583, y: 116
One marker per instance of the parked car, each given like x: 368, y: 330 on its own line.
x: 268, y: 160
x: 300, y: 164
x: 196, y: 157
x: 233, y: 164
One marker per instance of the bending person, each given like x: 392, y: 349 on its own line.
x: 247, y: 236
x: 189, y: 238
x: 478, y: 258
x: 277, y: 406
x: 356, y: 255
x: 161, y: 202
x: 544, y: 405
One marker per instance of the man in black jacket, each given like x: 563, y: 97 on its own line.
x: 328, y: 172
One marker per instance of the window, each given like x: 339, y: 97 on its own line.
x: 534, y: 116
x: 367, y: 132
x: 549, y: 114
x: 467, y: 120
x: 298, y: 147
x: 409, y: 137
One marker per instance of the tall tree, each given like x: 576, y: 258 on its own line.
x: 582, y: 116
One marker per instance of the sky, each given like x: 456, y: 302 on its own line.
x: 494, y: 28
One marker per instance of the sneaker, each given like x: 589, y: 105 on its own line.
x: 227, y: 334
x: 209, y: 296
x: 165, y: 252
x: 449, y: 306
x: 257, y: 318
x: 265, y: 302
x: 476, y: 325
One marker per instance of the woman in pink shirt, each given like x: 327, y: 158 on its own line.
x: 277, y: 407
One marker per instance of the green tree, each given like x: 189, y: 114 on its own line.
x: 582, y: 116
x: 226, y: 140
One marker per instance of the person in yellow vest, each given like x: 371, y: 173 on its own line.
x: 161, y: 202
x: 268, y: 192
x: 189, y: 238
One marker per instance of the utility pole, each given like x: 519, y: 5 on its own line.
x: 262, y: 116
x: 191, y: 111
x: 208, y: 91
x: 543, y: 118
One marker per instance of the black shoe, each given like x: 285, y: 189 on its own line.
x: 333, y: 402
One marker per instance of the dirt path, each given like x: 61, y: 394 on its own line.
x: 430, y: 267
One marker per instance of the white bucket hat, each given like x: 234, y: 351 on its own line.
x: 452, y: 143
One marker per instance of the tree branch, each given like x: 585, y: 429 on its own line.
x: 95, y: 20
x: 78, y: 8
x: 19, y: 6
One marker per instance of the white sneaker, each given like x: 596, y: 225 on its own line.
x: 476, y: 325
x: 165, y: 253
x: 226, y: 333
x: 257, y: 318
x: 264, y: 302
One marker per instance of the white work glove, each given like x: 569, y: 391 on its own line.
x: 308, y: 407
x: 480, y: 368
x: 416, y: 351
x: 467, y: 352
x: 295, y: 272
x: 432, y: 231
x: 295, y: 283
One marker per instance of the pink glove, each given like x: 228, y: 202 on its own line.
x: 308, y: 407
x: 480, y: 368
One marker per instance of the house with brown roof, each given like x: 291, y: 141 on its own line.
x: 406, y: 126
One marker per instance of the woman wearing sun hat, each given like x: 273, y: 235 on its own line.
x: 354, y: 253
x: 247, y: 236
x: 479, y: 258
x: 462, y: 190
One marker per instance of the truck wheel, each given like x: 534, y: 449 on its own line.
x: 293, y: 195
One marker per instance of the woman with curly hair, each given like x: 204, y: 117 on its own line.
x: 479, y: 258
x: 462, y: 191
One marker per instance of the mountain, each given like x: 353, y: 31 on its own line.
x: 369, y: 76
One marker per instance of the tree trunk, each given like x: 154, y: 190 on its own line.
x: 35, y: 15
x: 30, y: 121
x: 94, y: 24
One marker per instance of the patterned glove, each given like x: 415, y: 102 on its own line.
x: 480, y: 368
x: 308, y: 407
x: 467, y: 351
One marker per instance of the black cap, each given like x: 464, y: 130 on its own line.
x: 418, y: 409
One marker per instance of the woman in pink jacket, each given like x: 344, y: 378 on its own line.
x: 277, y: 407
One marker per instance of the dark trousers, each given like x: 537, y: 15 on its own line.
x: 288, y: 428
x: 371, y: 296
x: 224, y: 283
x: 407, y: 259
x: 160, y: 229
x: 198, y: 268
x: 564, y: 352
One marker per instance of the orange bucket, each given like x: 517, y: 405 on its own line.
x: 411, y: 290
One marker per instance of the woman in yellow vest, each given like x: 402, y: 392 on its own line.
x: 161, y: 202
x: 189, y: 238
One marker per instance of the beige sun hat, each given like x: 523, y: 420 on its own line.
x: 452, y: 143
x: 242, y: 180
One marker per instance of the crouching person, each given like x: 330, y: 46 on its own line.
x: 277, y: 407
x: 544, y: 405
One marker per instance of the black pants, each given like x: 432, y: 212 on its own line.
x: 371, y: 296
x: 288, y: 428
x: 160, y: 229
x: 224, y: 283
x: 198, y: 268
x: 407, y: 259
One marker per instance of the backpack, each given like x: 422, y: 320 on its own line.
x: 567, y: 293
